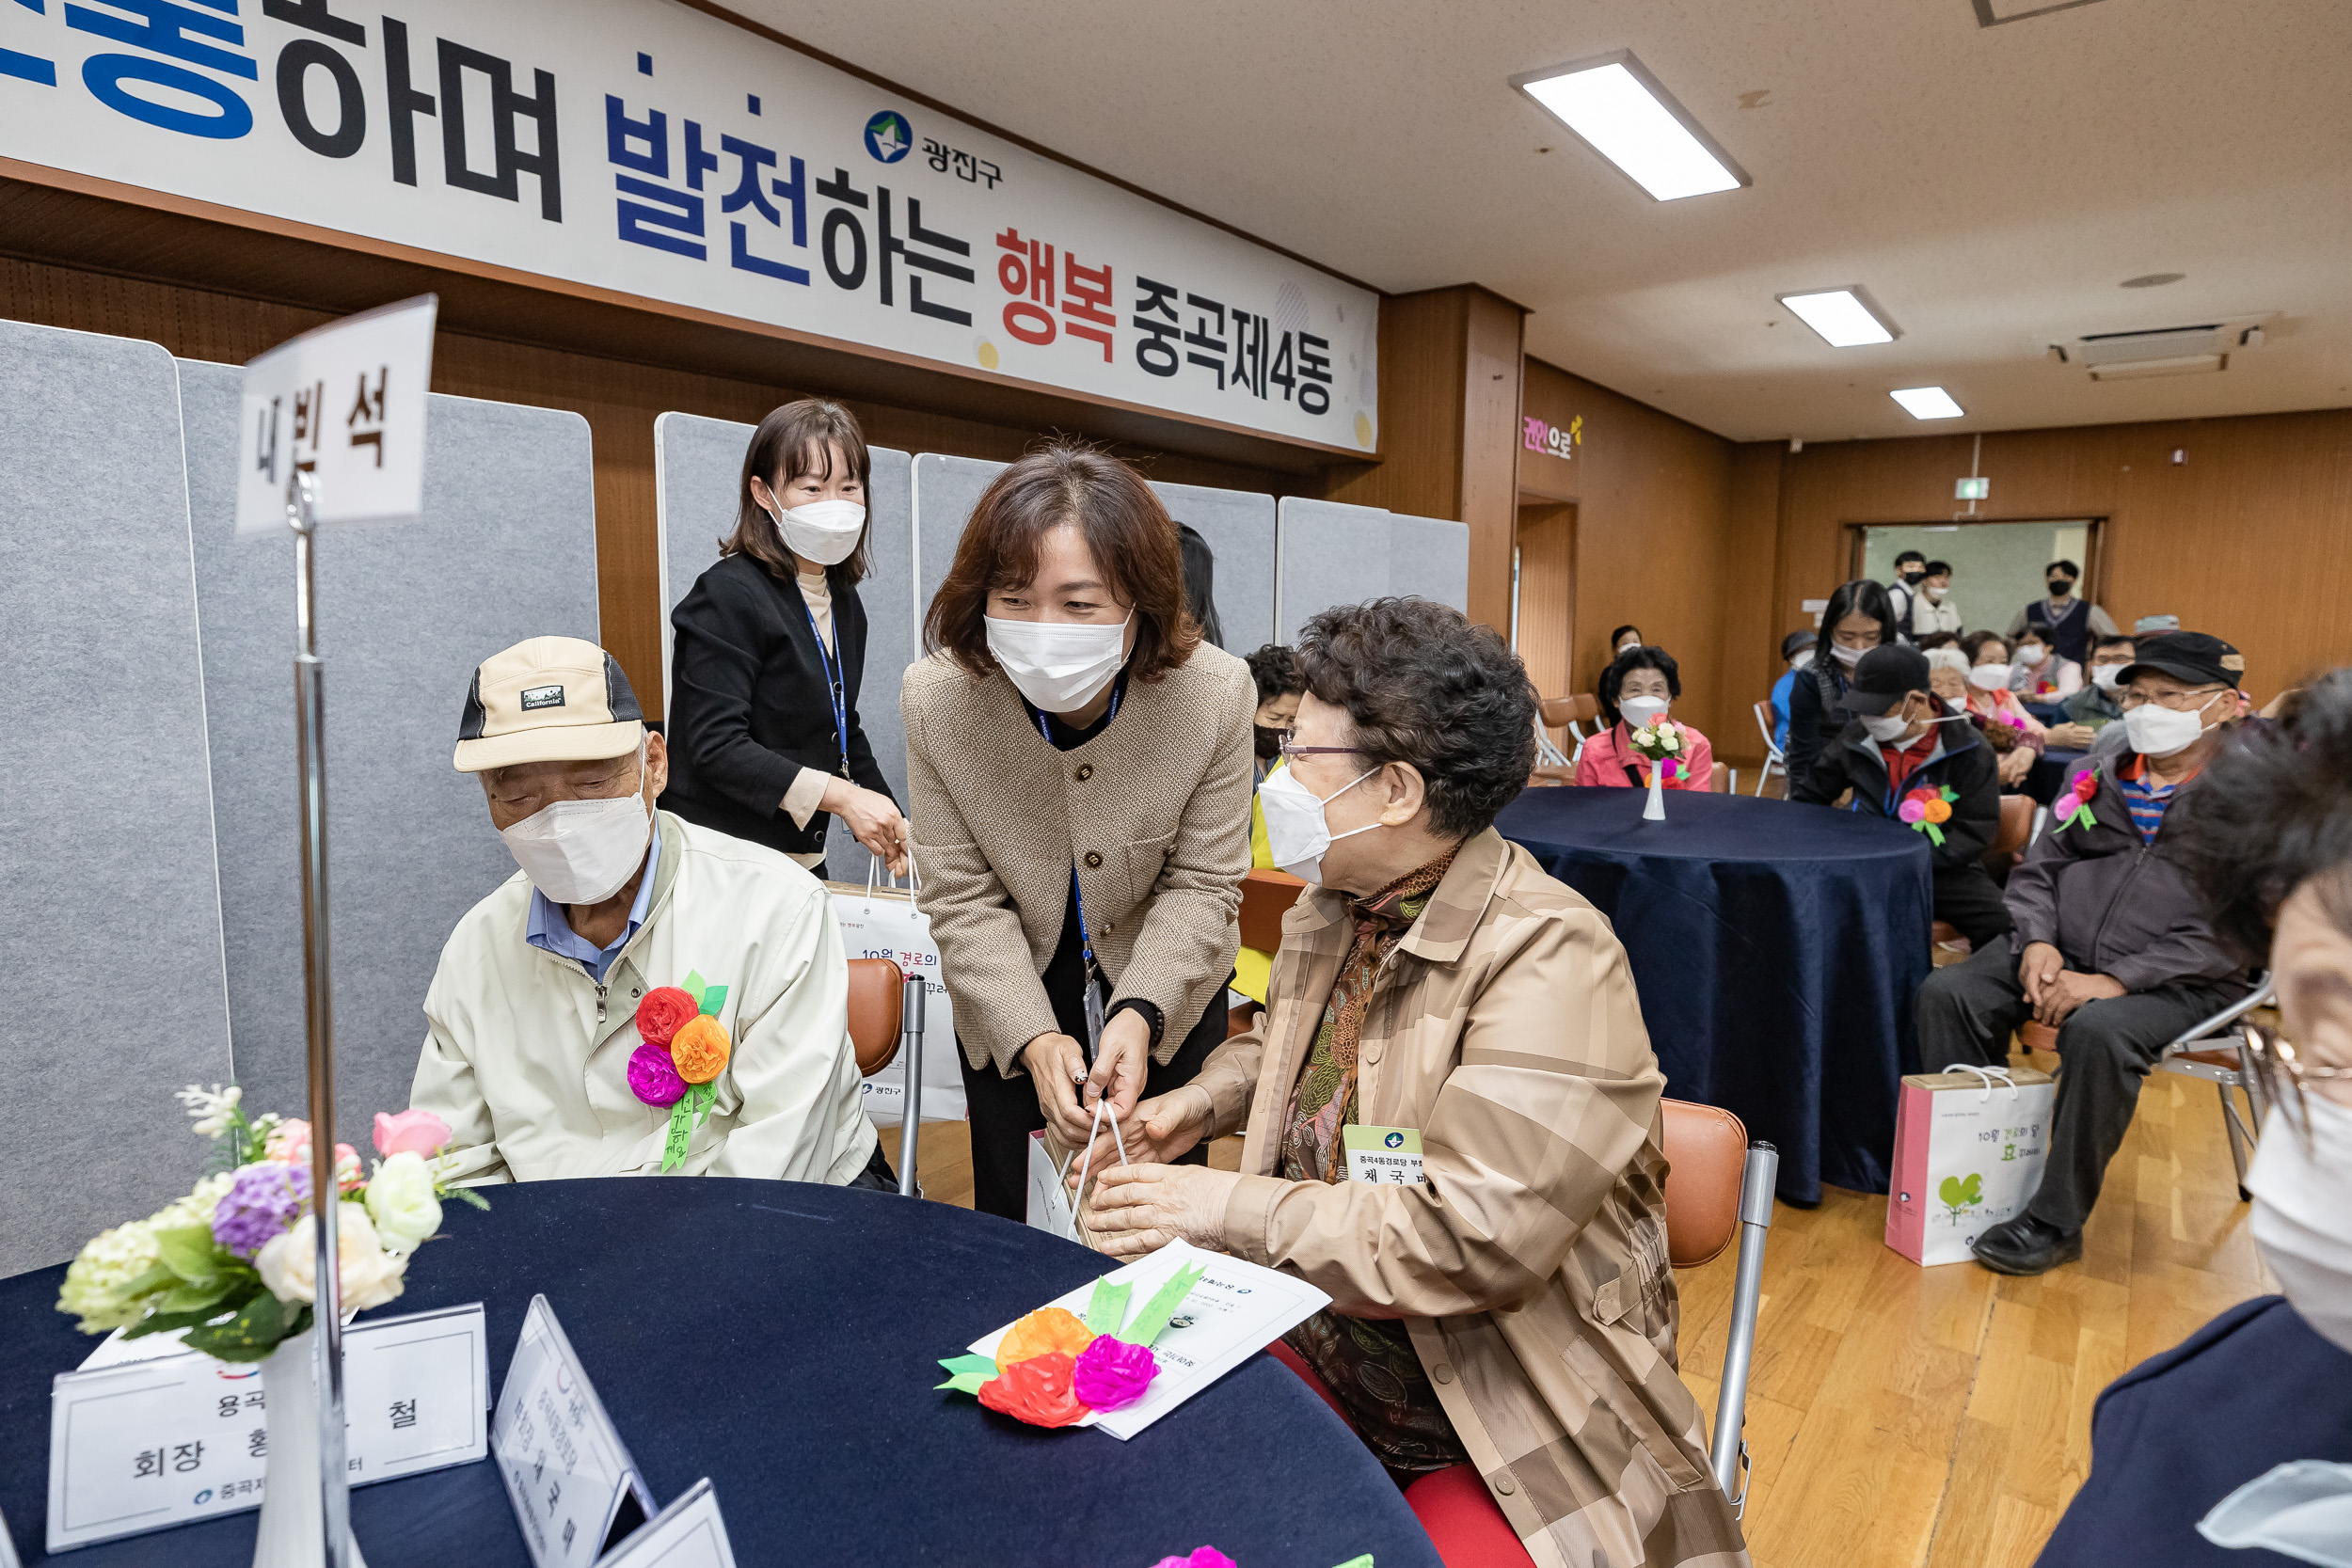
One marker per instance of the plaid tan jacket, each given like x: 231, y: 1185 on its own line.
x: 1531, y: 1267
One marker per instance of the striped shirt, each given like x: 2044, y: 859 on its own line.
x: 2147, y: 800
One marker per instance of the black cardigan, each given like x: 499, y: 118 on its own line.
x: 749, y: 707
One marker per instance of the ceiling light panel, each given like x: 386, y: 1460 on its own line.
x: 1842, y: 317
x: 1620, y: 111
x: 1926, y: 402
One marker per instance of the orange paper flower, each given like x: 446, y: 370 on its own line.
x: 1037, y: 1391
x: 700, y: 1050
x: 1046, y: 1330
x: 1939, y: 810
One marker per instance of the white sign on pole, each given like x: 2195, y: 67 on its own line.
x: 650, y: 150
x: 686, y: 1534
x: 570, y: 1478
x: 142, y: 1445
x: 346, y: 403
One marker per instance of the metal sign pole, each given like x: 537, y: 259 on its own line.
x: 326, y: 1315
x: 911, y: 1047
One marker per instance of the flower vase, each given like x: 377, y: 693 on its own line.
x: 1656, y: 810
x: 291, y: 1533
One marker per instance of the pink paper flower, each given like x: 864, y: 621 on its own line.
x: 1912, y: 810
x: 1112, y: 1374
x: 1201, y: 1556
x: 653, y: 1077
x: 412, y: 1131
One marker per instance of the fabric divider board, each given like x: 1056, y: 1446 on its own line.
x: 506, y: 549
x: 1333, y: 554
x: 698, y: 470
x: 114, y: 935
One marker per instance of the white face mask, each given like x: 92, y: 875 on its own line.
x: 2303, y: 1214
x: 2103, y: 675
x: 1845, y: 655
x: 2032, y: 654
x: 1296, y: 833
x: 1803, y: 661
x: 1059, y: 665
x: 581, y: 851
x: 2159, y: 731
x: 1885, y: 726
x: 1935, y: 595
x: 1989, y: 677
x: 822, y: 532
x: 1642, y: 712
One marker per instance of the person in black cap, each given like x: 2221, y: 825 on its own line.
x: 2111, y: 945
x: 1905, y: 744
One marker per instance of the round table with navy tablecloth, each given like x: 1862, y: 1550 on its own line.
x: 2051, y: 772
x: 783, y: 1339
x: 1778, y: 948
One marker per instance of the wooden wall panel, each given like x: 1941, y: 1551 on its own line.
x: 1491, y: 447
x: 1547, y: 545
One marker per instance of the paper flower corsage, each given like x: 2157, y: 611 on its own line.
x: 1664, y: 745
x: 1925, y: 807
x: 684, y: 1048
x: 2073, y: 809
x: 1053, y: 1369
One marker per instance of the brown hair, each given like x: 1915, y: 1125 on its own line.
x: 1131, y: 535
x: 796, y: 439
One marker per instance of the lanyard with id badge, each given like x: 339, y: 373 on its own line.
x: 836, y: 688
x: 1091, y: 984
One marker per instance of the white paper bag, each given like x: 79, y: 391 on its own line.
x: 884, y: 923
x: 1049, y: 1200
x: 1969, y: 1150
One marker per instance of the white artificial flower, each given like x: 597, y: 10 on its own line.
x: 1670, y: 741
x: 369, y: 1275
x: 400, y: 1202
x: 1645, y: 736
x: 211, y: 1108
x: 93, y: 1285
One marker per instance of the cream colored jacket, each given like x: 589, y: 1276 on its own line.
x: 527, y: 1058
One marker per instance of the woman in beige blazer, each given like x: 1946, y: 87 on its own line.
x: 1079, y: 770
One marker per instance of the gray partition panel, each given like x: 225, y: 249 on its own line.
x: 506, y: 549
x: 698, y: 465
x: 946, y: 490
x: 113, y: 935
x: 1333, y: 553
x: 1239, y: 527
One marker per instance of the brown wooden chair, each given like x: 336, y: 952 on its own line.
x: 1266, y: 895
x: 877, y: 1000
x: 1719, y: 1185
x: 1571, y: 714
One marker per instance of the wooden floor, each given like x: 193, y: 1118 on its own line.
x: 1902, y: 1416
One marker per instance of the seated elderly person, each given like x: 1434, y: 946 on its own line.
x: 1903, y: 741
x: 1635, y: 691
x: 2111, y: 946
x: 533, y: 1054
x: 1512, y: 1308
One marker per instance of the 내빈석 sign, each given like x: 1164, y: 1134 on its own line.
x: 644, y: 147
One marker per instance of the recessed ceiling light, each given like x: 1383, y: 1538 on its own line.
x: 1623, y: 114
x: 1841, y: 316
x: 1926, y: 402
x: 2151, y: 280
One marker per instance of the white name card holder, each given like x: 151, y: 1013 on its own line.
x: 344, y: 401
x: 686, y: 1534
x: 7, y: 1547
x: 145, y: 1445
x: 574, y: 1487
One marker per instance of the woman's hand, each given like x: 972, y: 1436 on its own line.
x: 1066, y: 1091
x: 1136, y: 1209
x: 2016, y: 764
x: 1163, y: 1128
x: 871, y: 817
x: 1057, y: 1067
x: 2070, y: 736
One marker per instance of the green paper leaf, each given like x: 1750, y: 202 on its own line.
x: 1935, y: 834
x: 253, y: 1333
x: 961, y: 1364
x: 712, y: 999
x: 1152, y: 1318
x: 190, y: 1252
x: 157, y: 1278
x: 466, y: 1195
x: 1364, y: 1562
x: 969, y: 1382
x: 693, y: 986
x: 1108, y: 1308
x: 681, y: 1132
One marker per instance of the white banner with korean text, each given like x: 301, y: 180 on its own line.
x: 644, y: 147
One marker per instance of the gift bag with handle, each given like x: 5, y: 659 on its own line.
x: 1970, y: 1144
x: 880, y: 921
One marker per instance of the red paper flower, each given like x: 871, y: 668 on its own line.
x: 663, y: 1011
x: 1035, y: 1391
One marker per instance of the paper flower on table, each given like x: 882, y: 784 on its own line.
x: 1112, y: 1374
x: 1199, y: 1556
x: 1045, y: 1330
x: 1925, y: 808
x: 2073, y: 809
x: 1051, y: 1369
x: 1037, y: 1392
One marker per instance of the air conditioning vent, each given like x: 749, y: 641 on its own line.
x: 2170, y: 342
x: 2186, y: 350
x: 2185, y: 364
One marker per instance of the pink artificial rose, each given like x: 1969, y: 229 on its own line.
x: 412, y: 1131
x: 290, y: 1144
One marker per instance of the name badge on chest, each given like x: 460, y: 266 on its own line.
x: 1386, y: 1156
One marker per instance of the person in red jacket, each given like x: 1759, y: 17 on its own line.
x: 1637, y: 692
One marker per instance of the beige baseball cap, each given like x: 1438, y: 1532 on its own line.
x: 549, y: 699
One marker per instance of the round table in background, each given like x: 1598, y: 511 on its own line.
x: 1778, y: 948
x: 2049, y: 773
x: 783, y: 1339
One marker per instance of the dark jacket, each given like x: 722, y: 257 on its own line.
x: 1960, y: 760
x: 1815, y: 716
x: 749, y: 703
x: 2112, y: 905
x: 2093, y: 706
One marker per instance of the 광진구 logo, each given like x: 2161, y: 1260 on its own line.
x: 888, y: 137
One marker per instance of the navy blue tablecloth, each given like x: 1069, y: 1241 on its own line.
x: 1778, y: 948
x: 783, y: 1339
x: 2050, y: 772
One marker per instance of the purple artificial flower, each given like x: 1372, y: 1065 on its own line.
x: 1112, y: 1374
x: 263, y: 1202
x: 653, y: 1077
x: 1199, y: 1556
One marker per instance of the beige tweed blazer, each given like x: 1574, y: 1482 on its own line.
x: 1153, y: 811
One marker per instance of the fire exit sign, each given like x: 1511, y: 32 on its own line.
x: 1971, y: 489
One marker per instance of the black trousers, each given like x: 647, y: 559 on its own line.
x: 1004, y: 1113
x: 1967, y: 900
x: 2106, y: 1049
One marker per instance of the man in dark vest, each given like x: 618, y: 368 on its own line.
x: 2071, y: 623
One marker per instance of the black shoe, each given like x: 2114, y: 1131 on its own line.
x: 2025, y: 1245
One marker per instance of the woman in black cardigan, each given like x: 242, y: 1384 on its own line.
x: 765, y: 742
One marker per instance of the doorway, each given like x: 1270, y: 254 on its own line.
x: 1543, y: 609
x: 1996, y: 566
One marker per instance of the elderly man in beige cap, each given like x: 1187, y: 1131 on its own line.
x: 536, y: 1053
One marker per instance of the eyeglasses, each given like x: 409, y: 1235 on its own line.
x: 2179, y: 702
x: 2283, y: 1072
x: 1291, y: 752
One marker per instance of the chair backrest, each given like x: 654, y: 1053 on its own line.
x: 2016, y: 827
x: 1764, y: 722
x: 1719, y: 780
x: 1707, y: 1155
x: 875, y: 995
x: 1582, y: 708
x: 1266, y: 898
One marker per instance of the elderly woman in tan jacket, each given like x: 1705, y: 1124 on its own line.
x: 1078, y: 774
x: 1502, y: 1299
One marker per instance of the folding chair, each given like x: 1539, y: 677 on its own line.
x: 1572, y: 714
x: 887, y: 1024
x: 1719, y: 1183
x: 2214, y: 1051
x: 1774, y: 756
